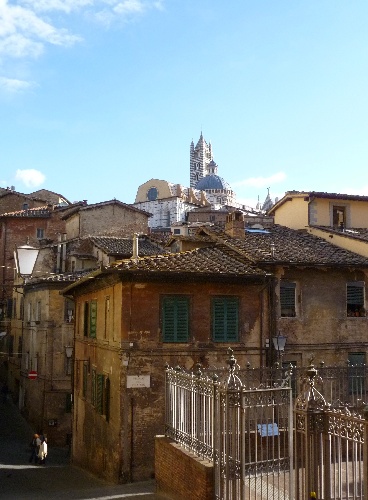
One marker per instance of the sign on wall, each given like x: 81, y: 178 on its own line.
x: 138, y: 381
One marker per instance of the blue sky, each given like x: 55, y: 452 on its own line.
x: 99, y: 96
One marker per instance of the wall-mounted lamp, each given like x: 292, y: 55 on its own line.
x: 279, y: 343
x: 69, y: 351
x: 25, y: 259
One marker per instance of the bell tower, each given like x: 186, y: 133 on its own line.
x: 200, y: 157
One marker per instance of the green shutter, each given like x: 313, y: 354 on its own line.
x: 100, y: 393
x: 287, y: 299
x: 85, y: 375
x: 93, y: 319
x: 225, y: 319
x: 175, y: 319
x: 93, y: 382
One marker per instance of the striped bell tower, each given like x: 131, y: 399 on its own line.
x: 200, y: 157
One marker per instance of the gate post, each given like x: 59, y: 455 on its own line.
x: 365, y: 453
x: 310, y: 447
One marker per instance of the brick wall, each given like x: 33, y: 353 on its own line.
x: 180, y: 474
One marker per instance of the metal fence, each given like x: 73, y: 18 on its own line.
x: 244, y: 422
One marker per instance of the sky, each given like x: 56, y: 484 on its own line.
x: 99, y: 96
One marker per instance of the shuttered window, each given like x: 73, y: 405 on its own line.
x: 100, y: 383
x: 225, y: 319
x: 287, y: 299
x: 175, y: 318
x: 85, y: 378
x: 94, y: 387
x: 93, y: 319
x: 355, y: 298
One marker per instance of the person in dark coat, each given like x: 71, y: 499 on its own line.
x: 35, y: 448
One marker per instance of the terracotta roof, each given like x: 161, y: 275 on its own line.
x: 288, y: 246
x: 30, y: 212
x: 112, y: 245
x: 61, y: 277
x: 218, y: 260
x: 103, y: 203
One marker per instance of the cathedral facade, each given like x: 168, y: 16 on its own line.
x: 169, y: 203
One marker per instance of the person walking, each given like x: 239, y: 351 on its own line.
x: 35, y: 447
x: 42, y: 452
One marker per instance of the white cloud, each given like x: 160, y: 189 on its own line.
x: 260, y: 182
x: 14, y: 85
x: 30, y: 177
x: 66, y: 6
x: 25, y: 31
x: 129, y: 7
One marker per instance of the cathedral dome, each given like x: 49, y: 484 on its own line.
x: 212, y: 182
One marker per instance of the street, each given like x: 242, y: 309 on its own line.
x: 58, y: 479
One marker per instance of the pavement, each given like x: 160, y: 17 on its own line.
x: 58, y: 479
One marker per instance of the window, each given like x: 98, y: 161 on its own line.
x: 287, y: 299
x: 40, y: 233
x: 107, y: 315
x: 101, y: 393
x: 175, y: 318
x: 85, y: 378
x: 38, y: 310
x: 176, y: 231
x: 68, y: 403
x: 69, y: 311
x: 339, y: 217
x: 94, y: 388
x: 85, y: 319
x: 100, y: 381
x: 225, y: 319
x: 355, y: 298
x: 25, y: 206
x: 68, y: 365
x: 356, y: 363
x: 93, y: 319
x: 90, y: 319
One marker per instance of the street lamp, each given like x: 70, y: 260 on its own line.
x: 279, y: 343
x: 25, y: 259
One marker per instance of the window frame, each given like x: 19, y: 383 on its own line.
x: 355, y: 308
x: 220, y: 309
x: 288, y: 285
x: 175, y: 302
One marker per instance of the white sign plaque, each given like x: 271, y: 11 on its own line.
x: 138, y: 381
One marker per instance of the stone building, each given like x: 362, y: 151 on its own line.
x: 134, y: 316
x: 240, y: 287
x: 41, y: 333
x: 37, y: 226
x: 340, y: 219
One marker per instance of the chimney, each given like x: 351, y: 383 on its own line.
x: 234, y: 225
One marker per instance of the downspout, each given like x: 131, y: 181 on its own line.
x: 272, y: 318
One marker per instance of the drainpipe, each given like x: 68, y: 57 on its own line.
x: 63, y: 255
x: 135, y: 246
x: 58, y: 256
